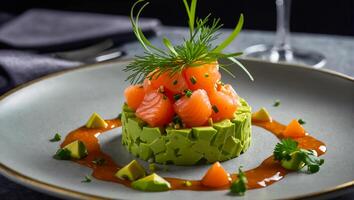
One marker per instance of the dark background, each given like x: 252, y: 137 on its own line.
x: 311, y: 16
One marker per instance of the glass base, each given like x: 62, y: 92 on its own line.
x: 289, y: 55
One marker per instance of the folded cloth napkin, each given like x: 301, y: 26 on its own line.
x: 57, y: 30
x: 18, y: 67
x: 47, y: 31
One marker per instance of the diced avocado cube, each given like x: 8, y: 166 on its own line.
x: 149, y: 134
x: 225, y: 129
x: 96, y: 121
x: 144, y: 151
x: 151, y: 183
x: 204, y: 133
x: 211, y: 153
x: 177, y: 141
x: 231, y: 145
x: 262, y: 115
x: 188, y: 157
x: 183, y: 132
x: 77, y: 149
x: 134, y: 149
x: 131, y: 171
x: 134, y: 126
x: 158, y: 146
x: 165, y: 157
x: 295, y: 163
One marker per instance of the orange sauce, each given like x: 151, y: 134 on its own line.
x: 267, y: 173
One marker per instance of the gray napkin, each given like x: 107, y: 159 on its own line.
x: 47, y: 31
x: 50, y: 29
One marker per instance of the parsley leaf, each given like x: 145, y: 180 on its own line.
x: 86, y: 180
x: 301, y: 121
x: 288, y: 147
x: 56, y: 138
x: 239, y: 187
x: 276, y: 103
x: 312, y: 162
x: 283, y: 149
x: 63, y: 154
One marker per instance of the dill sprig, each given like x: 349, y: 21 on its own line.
x: 195, y: 51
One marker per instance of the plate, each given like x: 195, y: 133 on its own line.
x: 32, y: 114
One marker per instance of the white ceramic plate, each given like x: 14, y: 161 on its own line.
x: 30, y: 115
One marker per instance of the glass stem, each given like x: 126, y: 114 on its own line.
x: 282, y: 42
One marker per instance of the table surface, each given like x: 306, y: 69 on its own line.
x: 338, y: 50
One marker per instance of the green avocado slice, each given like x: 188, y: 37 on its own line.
x: 77, y: 149
x: 96, y: 121
x: 131, y: 171
x: 262, y: 115
x: 151, y: 183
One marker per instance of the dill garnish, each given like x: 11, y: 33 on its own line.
x: 194, y: 51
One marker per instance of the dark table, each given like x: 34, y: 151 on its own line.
x: 339, y: 51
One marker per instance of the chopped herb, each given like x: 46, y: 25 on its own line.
x: 56, y: 138
x: 193, y: 80
x: 276, y: 103
x: 288, y: 147
x: 187, y: 183
x: 206, y: 75
x: 63, y: 154
x: 175, y: 82
x: 86, y: 180
x: 176, y: 96
x: 188, y: 93
x: 301, y: 121
x: 99, y: 161
x: 239, y: 187
x: 119, y: 116
x: 176, y: 119
x: 215, y: 108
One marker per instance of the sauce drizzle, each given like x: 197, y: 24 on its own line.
x: 267, y: 173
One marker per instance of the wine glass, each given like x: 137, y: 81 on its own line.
x: 281, y: 50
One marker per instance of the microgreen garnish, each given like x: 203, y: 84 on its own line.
x: 175, y: 82
x: 99, y: 161
x: 197, y: 50
x: 56, y: 138
x: 63, y: 154
x: 176, y: 96
x: 239, y: 187
x: 288, y: 147
x: 193, y: 80
x: 215, y: 108
x: 188, y: 93
x: 119, y: 116
x: 301, y: 121
x: 87, y: 179
x: 276, y: 103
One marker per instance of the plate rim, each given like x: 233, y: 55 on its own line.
x: 52, y: 189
